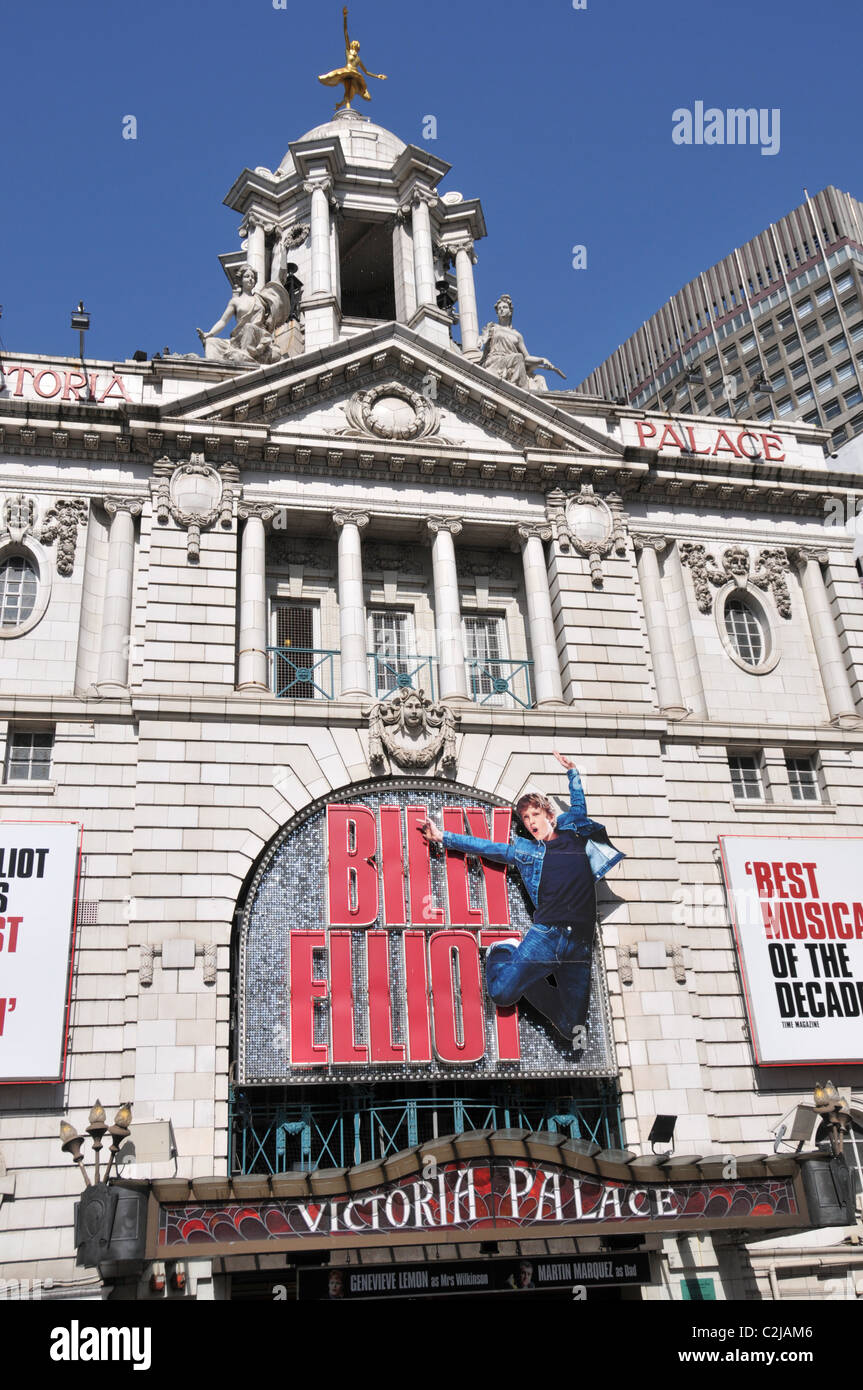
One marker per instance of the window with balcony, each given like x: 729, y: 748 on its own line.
x: 300, y: 669
x: 28, y: 755
x: 395, y: 664
x: 802, y: 778
x: 747, y: 782
x: 493, y: 679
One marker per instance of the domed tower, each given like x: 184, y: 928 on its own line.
x: 353, y: 214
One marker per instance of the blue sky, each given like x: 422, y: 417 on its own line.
x: 560, y: 120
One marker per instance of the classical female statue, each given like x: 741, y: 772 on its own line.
x: 350, y: 76
x: 505, y: 354
x: 258, y: 314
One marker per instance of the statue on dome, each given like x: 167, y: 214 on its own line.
x: 258, y: 314
x: 505, y: 355
x: 350, y: 76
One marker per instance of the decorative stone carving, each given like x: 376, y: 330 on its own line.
x: 19, y: 515
x: 390, y: 411
x: 588, y: 524
x: 412, y: 731
x: 145, y: 963
x: 505, y: 355
x: 195, y: 494
x: 283, y: 550
x: 478, y: 564
x: 400, y: 559
x: 770, y: 569
x: 61, y: 524
x: 209, y: 954
x: 769, y: 573
x: 704, y: 573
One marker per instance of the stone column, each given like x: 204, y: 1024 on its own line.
x: 253, y: 667
x: 686, y: 652
x: 465, y: 260
x: 113, y: 674
x: 423, y: 251
x: 257, y: 252
x: 405, y: 288
x: 831, y: 663
x: 354, y: 683
x: 452, y: 672
x: 668, y: 696
x: 320, y: 236
x: 548, y: 689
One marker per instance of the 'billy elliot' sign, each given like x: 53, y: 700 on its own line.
x: 798, y: 920
x: 362, y: 952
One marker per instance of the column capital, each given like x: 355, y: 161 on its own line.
x: 347, y: 518
x: 436, y: 524
x: 321, y: 182
x: 115, y: 503
x: 423, y: 195
x: 643, y: 540
x: 539, y: 530
x: 264, y: 511
x: 800, y: 554
x: 465, y: 244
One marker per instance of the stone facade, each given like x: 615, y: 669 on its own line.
x: 148, y: 659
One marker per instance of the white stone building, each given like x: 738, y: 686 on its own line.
x: 211, y: 571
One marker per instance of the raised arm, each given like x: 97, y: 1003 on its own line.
x: 467, y: 844
x: 345, y: 20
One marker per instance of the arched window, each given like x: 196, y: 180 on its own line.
x: 19, y: 585
x: 744, y: 631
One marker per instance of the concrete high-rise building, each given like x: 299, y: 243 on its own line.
x: 772, y: 331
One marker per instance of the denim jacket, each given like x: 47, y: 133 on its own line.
x: 528, y: 855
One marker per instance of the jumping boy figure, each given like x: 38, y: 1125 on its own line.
x: 559, y: 869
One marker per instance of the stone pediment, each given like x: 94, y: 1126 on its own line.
x: 391, y: 393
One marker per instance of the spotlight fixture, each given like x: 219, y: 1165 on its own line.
x: 80, y: 324
x: 662, y: 1131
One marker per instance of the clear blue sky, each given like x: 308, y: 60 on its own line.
x: 558, y: 119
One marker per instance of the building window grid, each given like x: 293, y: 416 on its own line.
x: 28, y: 755
x: 747, y: 782
x: 802, y: 778
x: 19, y: 585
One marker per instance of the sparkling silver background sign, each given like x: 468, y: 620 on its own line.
x: 404, y: 998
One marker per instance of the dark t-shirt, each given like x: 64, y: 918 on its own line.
x: 567, y: 891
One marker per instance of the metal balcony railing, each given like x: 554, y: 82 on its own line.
x: 303, y: 673
x: 392, y: 673
x: 272, y: 1135
x: 498, y: 682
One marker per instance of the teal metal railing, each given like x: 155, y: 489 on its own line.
x: 497, y: 682
x: 393, y: 673
x: 303, y: 673
x: 278, y: 1136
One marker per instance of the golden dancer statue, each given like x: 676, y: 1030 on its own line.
x: 350, y: 76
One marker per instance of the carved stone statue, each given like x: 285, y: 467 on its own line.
x: 505, y: 355
x: 350, y: 76
x: 258, y: 314
x: 412, y: 730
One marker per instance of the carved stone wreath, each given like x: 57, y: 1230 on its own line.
x: 195, y: 495
x: 412, y: 731
x: 391, y: 411
x: 595, y: 541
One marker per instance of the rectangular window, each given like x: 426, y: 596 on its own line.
x: 832, y: 409
x: 292, y: 628
x: 785, y: 319
x: 824, y: 383
x: 28, y: 755
x: 853, y: 397
x: 392, y: 649
x: 844, y: 371
x: 486, y: 652
x: 857, y: 331
x: 851, y: 305
x: 817, y: 356
x: 831, y: 319
x: 778, y: 379
x: 804, y: 393
x: 712, y: 365
x: 839, y: 436
x: 804, y: 307
x: 771, y: 356
x: 747, y: 342
x: 838, y: 345
x: 798, y: 369
x: 812, y: 330
x: 825, y: 294
x: 730, y: 353
x: 802, y: 778
x: 768, y: 330
x: 791, y: 342
x: 845, y: 280
x: 785, y: 406
x: 746, y: 780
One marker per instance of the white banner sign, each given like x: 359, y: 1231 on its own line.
x: 38, y: 878
x: 797, y: 907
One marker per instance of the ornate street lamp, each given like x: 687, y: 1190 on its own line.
x: 71, y: 1141
x: 835, y: 1115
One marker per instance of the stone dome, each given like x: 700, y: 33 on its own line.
x: 363, y: 142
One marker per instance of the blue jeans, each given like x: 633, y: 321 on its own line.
x: 513, y: 972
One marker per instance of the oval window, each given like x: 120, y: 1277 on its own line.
x: 19, y: 586
x: 744, y: 631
